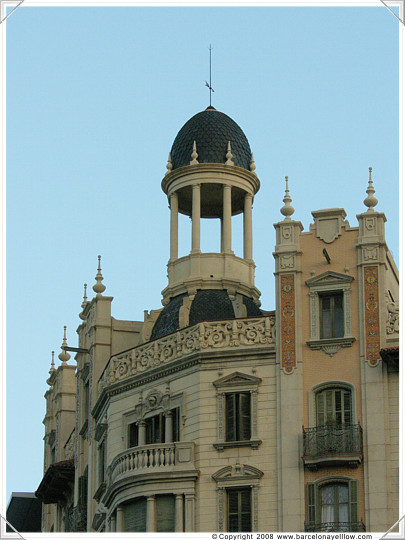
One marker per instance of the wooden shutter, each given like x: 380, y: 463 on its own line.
x: 244, y: 416
x: 245, y: 510
x: 165, y: 513
x: 133, y: 435
x: 176, y: 424
x: 230, y: 417
x: 135, y: 516
x: 353, y: 506
x: 311, y: 503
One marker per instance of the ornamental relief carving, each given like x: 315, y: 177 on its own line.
x: 371, y: 315
x: 392, y: 326
x: 206, y: 335
x: 287, y: 261
x: 287, y: 320
x: 370, y: 254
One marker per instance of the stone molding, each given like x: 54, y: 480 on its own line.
x: 237, y: 476
x: 203, y: 336
x: 236, y: 382
x: 329, y: 282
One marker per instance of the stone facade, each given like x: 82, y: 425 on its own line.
x: 257, y: 421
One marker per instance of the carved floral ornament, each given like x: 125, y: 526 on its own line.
x: 153, y: 401
x: 205, y: 335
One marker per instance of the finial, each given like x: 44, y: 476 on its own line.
x: 229, y: 155
x: 169, y: 165
x: 52, y: 363
x: 370, y: 200
x: 206, y: 84
x: 84, y: 303
x: 287, y: 210
x: 252, y: 164
x: 194, y: 155
x: 64, y: 355
x: 52, y: 370
x: 99, y: 287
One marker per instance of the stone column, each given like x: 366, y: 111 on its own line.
x: 113, y: 522
x: 195, y: 216
x: 169, y: 427
x: 174, y: 226
x: 120, y: 519
x: 141, y: 433
x: 179, y: 513
x: 189, y: 502
x: 227, y: 219
x: 151, y: 514
x: 247, y: 228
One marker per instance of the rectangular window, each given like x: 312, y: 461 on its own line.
x: 239, y: 510
x: 331, y: 315
x: 133, y: 437
x: 101, y: 462
x: 165, y: 513
x: 135, y: 516
x: 155, y: 429
x: 237, y: 416
x: 176, y: 424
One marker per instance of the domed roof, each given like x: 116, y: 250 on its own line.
x: 208, y: 305
x: 211, y: 129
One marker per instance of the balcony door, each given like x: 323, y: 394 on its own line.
x: 334, y: 407
x: 334, y: 499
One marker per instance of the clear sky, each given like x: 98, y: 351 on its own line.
x: 95, y: 98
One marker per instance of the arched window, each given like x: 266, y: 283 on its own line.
x: 332, y: 506
x: 334, y: 407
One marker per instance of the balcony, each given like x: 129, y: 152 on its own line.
x: 152, y: 459
x: 325, y: 446
x: 334, y: 526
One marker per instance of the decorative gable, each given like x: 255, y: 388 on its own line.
x: 329, y: 279
x: 237, y: 379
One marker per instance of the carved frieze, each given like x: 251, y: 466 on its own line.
x: 205, y: 335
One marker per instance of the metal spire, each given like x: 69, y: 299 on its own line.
x: 206, y: 84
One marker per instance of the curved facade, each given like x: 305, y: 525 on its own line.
x: 214, y: 414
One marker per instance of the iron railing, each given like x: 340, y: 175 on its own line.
x: 336, y: 526
x: 332, y: 440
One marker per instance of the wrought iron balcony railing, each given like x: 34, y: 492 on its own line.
x: 333, y: 444
x: 336, y: 526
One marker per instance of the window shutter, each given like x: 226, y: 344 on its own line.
x: 165, y: 513
x: 135, y: 516
x: 311, y: 503
x: 230, y: 417
x: 320, y: 409
x: 353, y: 510
x: 244, y: 416
x: 176, y: 424
x: 133, y: 435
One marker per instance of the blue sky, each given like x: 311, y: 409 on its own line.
x: 95, y: 98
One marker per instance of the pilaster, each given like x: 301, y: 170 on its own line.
x: 287, y: 256
x: 372, y: 249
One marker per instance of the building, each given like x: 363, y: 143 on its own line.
x: 214, y: 414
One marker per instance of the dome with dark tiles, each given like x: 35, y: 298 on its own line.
x: 208, y: 305
x: 211, y: 130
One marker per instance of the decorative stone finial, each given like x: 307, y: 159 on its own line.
x: 194, y: 155
x: 52, y: 370
x: 84, y: 303
x: 252, y: 164
x: 229, y: 155
x: 99, y: 287
x: 169, y: 165
x: 64, y: 355
x: 370, y: 200
x: 52, y: 363
x: 287, y: 210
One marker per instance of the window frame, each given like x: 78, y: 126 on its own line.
x: 329, y: 284
x: 313, y: 507
x: 239, y: 490
x: 329, y: 385
x: 237, y: 477
x: 236, y: 383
